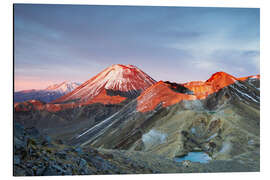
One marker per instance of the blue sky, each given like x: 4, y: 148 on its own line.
x: 54, y: 43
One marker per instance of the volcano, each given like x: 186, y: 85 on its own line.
x: 112, y: 85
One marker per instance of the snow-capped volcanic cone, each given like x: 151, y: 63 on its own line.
x: 120, y: 80
x: 48, y: 94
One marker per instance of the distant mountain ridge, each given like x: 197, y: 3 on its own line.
x: 118, y: 83
x: 64, y: 87
x: 48, y: 94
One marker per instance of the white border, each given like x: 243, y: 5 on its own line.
x: 202, y: 3
x: 6, y: 83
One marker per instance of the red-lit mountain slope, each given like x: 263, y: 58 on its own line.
x: 162, y: 93
x: 216, y: 82
x: 116, y: 78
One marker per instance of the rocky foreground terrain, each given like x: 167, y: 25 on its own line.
x: 38, y: 155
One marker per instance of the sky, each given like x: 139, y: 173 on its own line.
x: 55, y: 43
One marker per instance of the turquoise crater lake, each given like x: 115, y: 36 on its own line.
x: 200, y: 157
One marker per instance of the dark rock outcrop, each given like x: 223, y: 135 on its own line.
x: 37, y: 155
